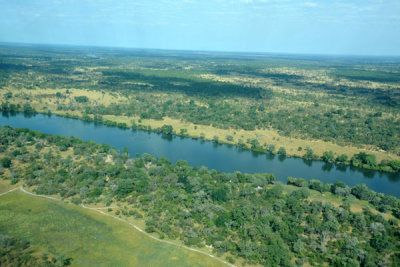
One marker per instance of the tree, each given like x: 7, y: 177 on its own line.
x: 380, y: 242
x: 6, y: 162
x: 124, y: 187
x: 220, y: 194
x: 282, y: 151
x: 167, y: 129
x: 316, y: 185
x: 395, y: 164
x: 364, y: 158
x: 395, y: 259
x: 300, y: 182
x: 342, y: 158
x: 361, y: 191
x: 28, y: 109
x: 309, y: 154
x: 81, y: 99
x: 328, y: 157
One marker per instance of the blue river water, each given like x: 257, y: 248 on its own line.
x: 223, y: 158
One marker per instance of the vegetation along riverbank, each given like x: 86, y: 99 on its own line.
x: 241, y: 218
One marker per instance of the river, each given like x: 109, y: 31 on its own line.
x: 224, y: 158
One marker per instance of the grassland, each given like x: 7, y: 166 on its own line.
x: 90, y: 238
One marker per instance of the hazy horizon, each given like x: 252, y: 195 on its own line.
x: 314, y: 27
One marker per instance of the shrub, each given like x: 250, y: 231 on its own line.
x: 6, y: 162
x: 81, y: 99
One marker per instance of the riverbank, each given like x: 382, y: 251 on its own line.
x: 261, y: 140
x: 361, y: 160
x: 221, y: 157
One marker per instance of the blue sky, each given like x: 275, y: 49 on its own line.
x: 369, y: 27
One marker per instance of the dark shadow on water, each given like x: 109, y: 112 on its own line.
x: 365, y: 172
x: 5, y: 114
x: 270, y: 156
x: 167, y: 137
x: 256, y: 154
x: 97, y: 124
x: 368, y: 173
x: 281, y: 157
x: 341, y: 167
x: 307, y: 162
x: 29, y: 115
x: 216, y: 144
x: 327, y: 167
x: 241, y: 149
x: 393, y: 177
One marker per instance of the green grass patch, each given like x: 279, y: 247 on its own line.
x: 90, y: 238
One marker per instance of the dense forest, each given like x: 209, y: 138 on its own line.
x: 241, y: 216
x: 347, y: 101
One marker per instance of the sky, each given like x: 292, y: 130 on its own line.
x: 346, y: 27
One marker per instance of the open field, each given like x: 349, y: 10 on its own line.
x: 6, y: 186
x: 88, y: 237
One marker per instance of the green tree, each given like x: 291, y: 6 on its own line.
x: 167, y: 129
x: 81, y: 99
x: 6, y: 162
x: 328, y: 157
x: 395, y: 164
x: 309, y: 154
x: 361, y: 191
x: 342, y: 158
x: 282, y: 151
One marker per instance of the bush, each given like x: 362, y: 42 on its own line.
x: 167, y: 129
x: 81, y: 99
x: 300, y: 182
x: 6, y: 162
x: 361, y: 191
x: 395, y: 164
x: 328, y: 157
x: 342, y: 158
x: 282, y: 151
x: 316, y: 185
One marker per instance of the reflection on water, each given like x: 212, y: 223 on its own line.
x: 327, y: 167
x: 167, y: 137
x: 197, y: 152
x: 281, y: 157
x: 341, y: 167
x: 270, y: 156
x: 307, y: 162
